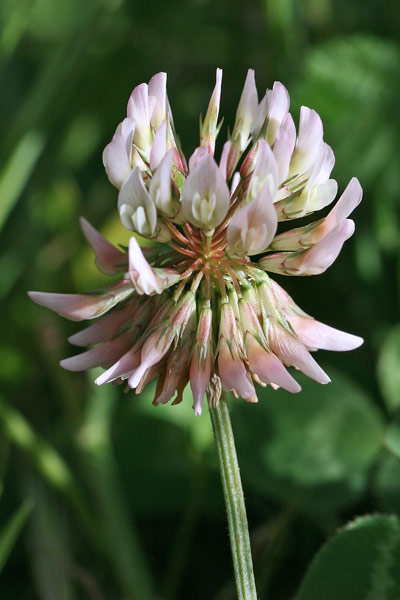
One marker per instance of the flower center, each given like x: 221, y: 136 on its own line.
x: 197, y: 254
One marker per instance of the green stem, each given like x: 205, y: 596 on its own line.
x: 234, y: 501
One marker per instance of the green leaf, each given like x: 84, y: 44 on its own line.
x: 313, y: 449
x: 360, y: 97
x: 359, y: 563
x: 10, y: 532
x: 392, y: 440
x: 386, y: 484
x: 389, y: 369
x: 17, y: 171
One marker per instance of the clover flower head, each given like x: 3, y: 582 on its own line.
x: 200, y: 305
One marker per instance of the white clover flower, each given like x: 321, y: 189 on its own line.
x: 201, y: 306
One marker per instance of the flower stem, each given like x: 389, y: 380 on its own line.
x: 234, y: 501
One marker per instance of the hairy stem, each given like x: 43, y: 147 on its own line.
x: 234, y: 501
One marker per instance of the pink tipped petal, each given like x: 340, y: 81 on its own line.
x: 318, y: 258
x: 109, y: 260
x: 205, y: 195
x: 253, y: 226
x: 347, y: 202
x: 313, y: 261
x: 200, y: 366
x: 79, y: 307
x: 268, y: 367
x: 117, y: 154
x: 107, y: 327
x: 158, y: 90
x: 154, y: 349
x: 316, y: 335
x: 292, y: 352
x: 304, y: 237
x: 123, y: 367
x: 159, y: 146
x: 139, y: 268
x: 197, y: 156
x: 159, y: 341
x: 102, y: 356
x: 176, y: 371
x: 233, y: 374
x: 147, y: 280
x: 199, y: 380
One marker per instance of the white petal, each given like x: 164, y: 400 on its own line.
x: 283, y: 149
x: 209, y: 129
x: 140, y: 108
x: 142, y: 275
x: 205, y: 195
x: 117, y: 154
x: 132, y: 197
x: 158, y: 90
x: 147, y: 280
x: 160, y: 186
x: 321, y: 195
x: 159, y: 146
x: 253, y: 226
x: 246, y: 111
x: 308, y: 142
x: 347, y: 202
x: 223, y: 163
x: 265, y: 171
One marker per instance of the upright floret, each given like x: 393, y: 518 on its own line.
x: 199, y: 305
x: 209, y: 128
x: 205, y: 195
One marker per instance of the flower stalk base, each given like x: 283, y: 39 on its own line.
x: 234, y: 501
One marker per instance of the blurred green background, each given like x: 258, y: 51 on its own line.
x: 103, y: 496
